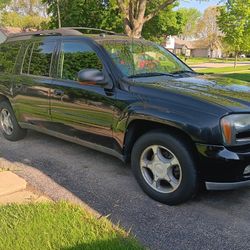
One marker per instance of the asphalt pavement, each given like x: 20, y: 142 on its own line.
x: 213, y: 220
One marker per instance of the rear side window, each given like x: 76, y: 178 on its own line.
x: 38, y: 59
x: 76, y: 56
x: 8, y: 56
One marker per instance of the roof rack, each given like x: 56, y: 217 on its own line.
x: 109, y: 32
x: 64, y: 31
x: 55, y: 32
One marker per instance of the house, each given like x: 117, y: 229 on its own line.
x: 195, y: 48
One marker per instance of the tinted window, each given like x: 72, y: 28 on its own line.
x: 40, y: 60
x: 141, y: 57
x: 75, y: 57
x: 8, y: 56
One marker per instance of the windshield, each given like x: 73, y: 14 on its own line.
x: 142, y: 58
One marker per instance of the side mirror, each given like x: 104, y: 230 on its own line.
x: 91, y: 76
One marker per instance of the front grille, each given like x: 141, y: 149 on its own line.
x: 243, y: 136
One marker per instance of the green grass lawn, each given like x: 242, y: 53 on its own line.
x: 59, y: 226
x: 238, y: 76
x: 200, y: 60
x: 224, y: 69
x: 240, y: 73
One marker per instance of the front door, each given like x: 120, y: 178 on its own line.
x: 78, y: 109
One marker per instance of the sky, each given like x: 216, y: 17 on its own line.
x: 201, y: 6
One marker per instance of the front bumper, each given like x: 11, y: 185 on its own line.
x: 222, y: 168
x: 227, y: 185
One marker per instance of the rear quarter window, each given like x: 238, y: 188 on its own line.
x: 38, y: 58
x: 8, y: 56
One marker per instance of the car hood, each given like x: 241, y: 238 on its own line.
x: 230, y: 94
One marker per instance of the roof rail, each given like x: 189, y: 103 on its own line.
x: 91, y: 29
x: 64, y: 31
x: 55, y: 32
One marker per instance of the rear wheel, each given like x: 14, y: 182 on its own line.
x: 8, y: 123
x: 164, y: 167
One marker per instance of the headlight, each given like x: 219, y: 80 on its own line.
x: 236, y: 129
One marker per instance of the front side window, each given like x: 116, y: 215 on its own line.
x: 38, y: 59
x: 8, y: 56
x: 142, y: 57
x: 76, y: 56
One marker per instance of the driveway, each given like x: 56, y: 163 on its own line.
x: 213, y: 220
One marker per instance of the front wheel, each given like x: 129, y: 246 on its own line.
x: 164, y: 167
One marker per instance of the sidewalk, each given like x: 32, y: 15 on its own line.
x: 14, y: 189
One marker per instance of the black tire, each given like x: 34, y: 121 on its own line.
x: 188, y: 183
x: 17, y: 133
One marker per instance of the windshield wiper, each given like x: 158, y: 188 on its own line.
x: 150, y: 74
x: 185, y: 71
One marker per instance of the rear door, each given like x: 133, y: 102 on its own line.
x: 81, y: 110
x: 32, y: 87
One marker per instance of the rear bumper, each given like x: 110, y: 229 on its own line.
x: 224, y: 169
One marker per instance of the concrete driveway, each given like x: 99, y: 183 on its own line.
x: 213, y: 220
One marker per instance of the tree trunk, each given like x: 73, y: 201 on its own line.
x: 134, y: 12
x: 58, y: 14
x: 135, y: 31
x: 235, y: 59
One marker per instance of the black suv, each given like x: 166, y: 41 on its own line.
x: 132, y: 99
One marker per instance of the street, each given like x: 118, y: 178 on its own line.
x: 213, y: 220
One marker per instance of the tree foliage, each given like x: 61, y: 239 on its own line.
x: 88, y: 13
x: 168, y: 22
x: 208, y: 29
x: 136, y: 13
x: 190, y: 19
x: 107, y: 15
x: 13, y: 19
x: 234, y: 22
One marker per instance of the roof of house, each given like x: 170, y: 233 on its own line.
x: 10, y: 30
x: 195, y: 44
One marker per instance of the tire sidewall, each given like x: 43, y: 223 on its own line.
x: 189, y: 181
x: 17, y: 132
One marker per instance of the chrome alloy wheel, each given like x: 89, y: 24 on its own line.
x: 160, y: 169
x: 6, y: 122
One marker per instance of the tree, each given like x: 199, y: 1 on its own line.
x: 86, y: 13
x: 168, y: 22
x: 234, y: 23
x: 136, y: 13
x: 190, y: 18
x: 13, y: 19
x: 208, y: 29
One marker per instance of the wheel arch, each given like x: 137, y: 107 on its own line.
x: 139, y: 127
x: 4, y: 98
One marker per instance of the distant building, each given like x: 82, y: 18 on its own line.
x: 196, y: 48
